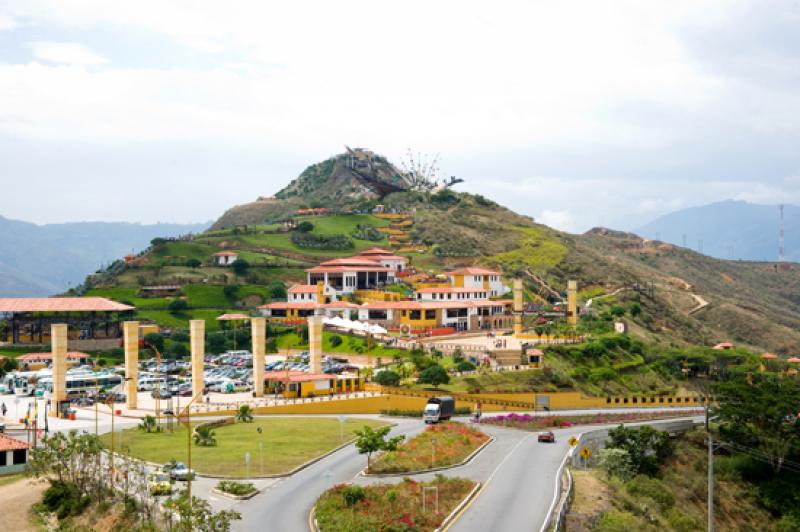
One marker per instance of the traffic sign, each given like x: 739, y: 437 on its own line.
x: 341, y: 419
x: 586, y: 453
x: 573, y: 441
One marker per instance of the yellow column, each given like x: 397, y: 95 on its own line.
x: 197, y: 340
x: 320, y: 292
x: 259, y: 335
x: 58, y: 341
x: 130, y: 330
x: 572, y: 303
x: 517, y: 307
x: 315, y: 343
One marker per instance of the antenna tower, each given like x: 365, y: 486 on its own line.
x: 781, y: 256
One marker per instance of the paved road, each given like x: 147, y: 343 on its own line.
x: 285, y: 504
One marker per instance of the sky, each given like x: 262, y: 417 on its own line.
x: 576, y: 113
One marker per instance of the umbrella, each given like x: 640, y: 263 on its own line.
x: 377, y: 329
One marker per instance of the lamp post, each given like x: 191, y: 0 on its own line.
x: 185, y: 417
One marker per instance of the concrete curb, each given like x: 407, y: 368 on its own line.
x: 313, y: 526
x: 456, y: 513
x: 465, y: 461
x: 236, y: 497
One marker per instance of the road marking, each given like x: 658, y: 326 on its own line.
x: 556, y: 491
x: 483, y: 487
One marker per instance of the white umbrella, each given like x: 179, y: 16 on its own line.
x: 377, y: 329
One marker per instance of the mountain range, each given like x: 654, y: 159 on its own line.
x: 730, y: 230
x: 42, y: 260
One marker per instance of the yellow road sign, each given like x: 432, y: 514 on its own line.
x: 586, y: 453
x: 573, y: 441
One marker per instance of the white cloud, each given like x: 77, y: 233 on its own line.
x: 7, y: 23
x: 66, y: 53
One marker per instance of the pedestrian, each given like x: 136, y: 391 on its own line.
x: 4, y: 409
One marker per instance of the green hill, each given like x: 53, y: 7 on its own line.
x: 751, y: 304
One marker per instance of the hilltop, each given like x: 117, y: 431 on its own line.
x: 682, y: 297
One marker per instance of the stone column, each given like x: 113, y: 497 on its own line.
x: 58, y: 341
x: 572, y: 303
x: 259, y: 335
x: 130, y: 330
x: 197, y: 333
x: 517, y: 307
x: 315, y: 343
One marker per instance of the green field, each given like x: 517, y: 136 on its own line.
x: 349, y: 345
x: 287, y: 443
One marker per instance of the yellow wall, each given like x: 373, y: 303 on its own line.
x: 486, y: 282
x: 458, y: 281
x: 422, y: 322
x: 377, y: 295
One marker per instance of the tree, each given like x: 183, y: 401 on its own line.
x: 465, y: 365
x: 230, y: 290
x: 178, y: 350
x: 148, y: 424
x: 616, y: 462
x: 304, y: 226
x: 197, y: 515
x: 336, y: 340
x: 193, y: 263
x: 761, y: 414
x: 388, y: 377
x: 635, y: 309
x: 646, y: 447
x: 154, y: 340
x: 178, y: 305
x: 240, y: 266
x: 434, y: 375
x: 277, y: 290
x: 158, y: 242
x: 244, y: 414
x: 204, y: 437
x: 369, y: 440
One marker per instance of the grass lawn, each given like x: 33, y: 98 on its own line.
x: 10, y: 479
x: 391, y: 506
x: 288, y: 442
x: 454, y: 443
x: 348, y: 345
x: 181, y: 320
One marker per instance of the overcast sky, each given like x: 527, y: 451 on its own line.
x: 576, y: 113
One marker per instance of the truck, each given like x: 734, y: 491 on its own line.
x: 438, y: 409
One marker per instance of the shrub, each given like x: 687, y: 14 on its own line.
x: 154, y: 340
x: 304, y: 227
x: 336, y: 340
x: 236, y: 488
x: 388, y: 378
x: 312, y: 241
x: 178, y: 350
x: 277, y: 290
x: 615, y: 521
x: 230, y: 290
x: 434, y: 375
x: 616, y: 462
x: 177, y: 305
x: 642, y: 486
x: 64, y: 500
x: 465, y: 365
x: 193, y: 263
x: 240, y: 266
x: 353, y: 494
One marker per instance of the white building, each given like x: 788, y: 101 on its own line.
x: 472, y: 277
x: 225, y: 258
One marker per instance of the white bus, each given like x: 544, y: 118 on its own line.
x: 81, y: 384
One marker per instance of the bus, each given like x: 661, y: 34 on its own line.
x: 78, y: 385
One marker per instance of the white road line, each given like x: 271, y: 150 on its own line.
x: 556, y: 491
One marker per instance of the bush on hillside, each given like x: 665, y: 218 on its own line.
x: 312, y: 241
x: 434, y: 375
x: 193, y: 263
x: 388, y: 377
x: 336, y: 340
x: 465, y: 365
x: 230, y: 290
x: 367, y: 232
x: 304, y: 227
x: 178, y: 305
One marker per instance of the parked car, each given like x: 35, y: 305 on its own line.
x: 547, y: 437
x: 161, y: 394
x: 178, y: 471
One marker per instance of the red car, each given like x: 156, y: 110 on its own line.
x: 547, y: 437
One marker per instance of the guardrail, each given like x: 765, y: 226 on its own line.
x: 559, y: 521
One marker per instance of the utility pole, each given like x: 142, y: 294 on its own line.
x: 710, y: 472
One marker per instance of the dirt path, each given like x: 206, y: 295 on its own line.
x: 701, y: 303
x: 18, y: 497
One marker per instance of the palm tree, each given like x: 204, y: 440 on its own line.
x: 148, y: 424
x: 204, y: 437
x: 245, y: 414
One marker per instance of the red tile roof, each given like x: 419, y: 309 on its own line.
x: 430, y: 305
x: 303, y: 289
x: 350, y: 261
x: 61, y: 304
x: 233, y: 317
x: 7, y: 443
x: 305, y: 305
x: 42, y: 357
x: 345, y: 269
x: 225, y: 254
x: 473, y: 271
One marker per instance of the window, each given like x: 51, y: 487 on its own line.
x: 416, y: 315
x: 430, y: 314
x: 377, y: 315
x: 3, y: 458
x: 20, y: 456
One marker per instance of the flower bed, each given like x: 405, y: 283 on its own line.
x: 454, y: 443
x: 390, y: 506
x: 532, y: 422
x: 236, y: 488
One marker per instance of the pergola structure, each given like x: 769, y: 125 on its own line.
x: 28, y: 320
